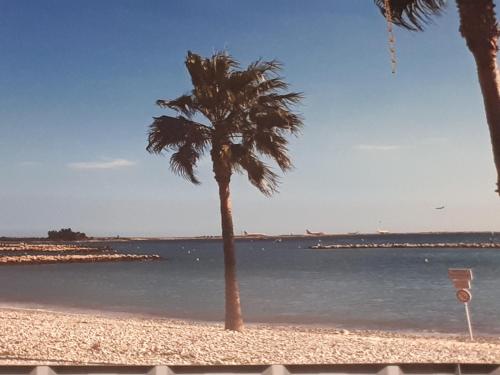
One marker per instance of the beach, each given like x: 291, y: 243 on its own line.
x: 281, y: 283
x: 32, y: 336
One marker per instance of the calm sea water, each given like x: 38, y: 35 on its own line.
x: 280, y: 282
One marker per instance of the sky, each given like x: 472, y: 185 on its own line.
x: 78, y: 85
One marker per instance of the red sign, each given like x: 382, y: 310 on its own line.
x: 461, y: 284
x: 460, y: 274
x: 464, y: 295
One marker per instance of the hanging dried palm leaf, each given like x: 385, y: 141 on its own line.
x: 392, y: 39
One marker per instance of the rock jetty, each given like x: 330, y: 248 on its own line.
x: 94, y: 258
x: 46, y: 247
x: 408, y: 245
x: 19, y: 253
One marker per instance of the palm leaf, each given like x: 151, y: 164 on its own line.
x: 274, y: 146
x: 188, y: 140
x: 259, y: 173
x: 412, y: 14
x: 274, y: 117
x: 168, y: 132
x: 184, y: 104
x: 183, y: 162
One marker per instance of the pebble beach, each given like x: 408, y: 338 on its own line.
x: 56, y: 337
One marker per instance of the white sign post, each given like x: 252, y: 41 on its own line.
x: 461, y: 278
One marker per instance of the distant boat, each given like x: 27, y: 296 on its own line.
x: 439, y: 208
x: 314, y: 233
x: 381, y: 231
x: 352, y: 233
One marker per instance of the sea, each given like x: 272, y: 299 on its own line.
x: 281, y: 281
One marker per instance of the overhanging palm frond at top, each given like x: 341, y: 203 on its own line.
x: 479, y: 27
x: 412, y: 14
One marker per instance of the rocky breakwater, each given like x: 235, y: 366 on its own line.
x: 56, y: 253
x: 408, y: 245
x: 27, y: 247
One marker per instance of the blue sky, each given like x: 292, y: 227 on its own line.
x: 79, y: 79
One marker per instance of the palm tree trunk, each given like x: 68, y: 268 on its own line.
x: 234, y: 319
x: 479, y: 28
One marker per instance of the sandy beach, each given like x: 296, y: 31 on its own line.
x: 50, y: 337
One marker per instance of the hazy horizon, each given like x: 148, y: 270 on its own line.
x: 253, y: 235
x: 378, y: 151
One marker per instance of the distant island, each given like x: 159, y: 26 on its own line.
x: 65, y: 234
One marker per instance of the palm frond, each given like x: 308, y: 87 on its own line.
x: 265, y: 68
x: 169, y: 133
x: 259, y: 173
x: 273, y: 145
x: 281, y: 101
x: 254, y: 98
x: 222, y: 64
x: 209, y: 77
x: 184, y: 104
x: 274, y: 117
x: 412, y: 14
x: 240, y: 81
x: 187, y: 139
x: 259, y: 78
x: 196, y: 67
x: 183, y: 162
x: 271, y: 85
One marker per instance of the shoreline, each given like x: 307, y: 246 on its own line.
x: 121, y: 314
x: 58, y: 309
x: 60, y: 337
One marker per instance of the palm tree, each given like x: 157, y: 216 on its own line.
x: 479, y: 28
x: 246, y: 114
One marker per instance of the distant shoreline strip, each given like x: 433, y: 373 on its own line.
x: 407, y: 245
